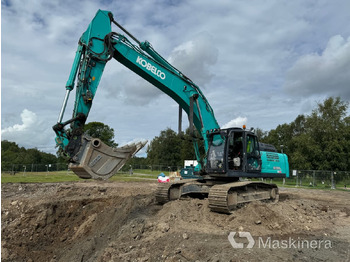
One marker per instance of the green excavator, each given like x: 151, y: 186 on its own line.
x: 233, y: 157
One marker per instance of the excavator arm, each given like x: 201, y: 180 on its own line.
x: 90, y: 158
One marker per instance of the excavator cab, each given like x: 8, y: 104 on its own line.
x: 233, y: 152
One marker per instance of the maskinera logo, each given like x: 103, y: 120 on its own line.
x: 268, y: 242
x: 246, y: 235
x: 150, y: 67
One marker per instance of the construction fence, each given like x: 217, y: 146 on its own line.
x: 22, y: 168
x: 316, y: 179
x: 297, y: 178
x: 310, y: 178
x: 151, y: 168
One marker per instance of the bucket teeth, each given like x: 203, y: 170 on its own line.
x: 96, y: 160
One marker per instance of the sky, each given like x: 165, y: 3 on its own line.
x: 259, y: 63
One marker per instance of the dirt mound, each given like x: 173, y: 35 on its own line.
x: 121, y: 222
x: 70, y: 223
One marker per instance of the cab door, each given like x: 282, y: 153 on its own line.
x: 252, y: 156
x: 235, y: 156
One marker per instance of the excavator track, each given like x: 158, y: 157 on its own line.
x: 224, y: 198
x: 162, y: 193
x: 175, y: 190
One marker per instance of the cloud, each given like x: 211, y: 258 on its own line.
x: 237, y: 122
x: 237, y: 52
x: 31, y: 132
x: 127, y: 87
x: 326, y: 73
x: 28, y: 119
x: 196, y: 57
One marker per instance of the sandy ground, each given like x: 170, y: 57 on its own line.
x: 110, y: 221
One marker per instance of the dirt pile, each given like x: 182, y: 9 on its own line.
x: 121, y: 222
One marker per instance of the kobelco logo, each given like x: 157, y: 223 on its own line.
x: 246, y: 235
x: 150, y: 67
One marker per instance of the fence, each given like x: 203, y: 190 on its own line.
x: 317, y: 178
x: 310, y: 178
x: 17, y: 168
x: 20, y: 168
x: 159, y: 168
x: 298, y: 178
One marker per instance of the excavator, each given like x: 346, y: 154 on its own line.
x: 234, y: 165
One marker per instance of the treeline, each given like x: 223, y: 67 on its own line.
x: 319, y: 141
x: 168, y: 149
x: 14, y: 157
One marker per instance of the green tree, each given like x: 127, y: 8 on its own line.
x: 281, y: 136
x: 298, y: 125
x: 347, y: 140
x: 327, y: 128
x: 165, y: 149
x: 101, y: 131
x: 317, y: 141
x: 261, y: 134
x: 187, y: 147
x: 13, y: 156
x: 170, y: 148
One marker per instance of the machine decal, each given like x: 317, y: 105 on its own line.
x: 150, y: 67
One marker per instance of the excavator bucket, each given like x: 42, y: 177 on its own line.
x: 96, y: 160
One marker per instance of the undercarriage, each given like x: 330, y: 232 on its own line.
x: 223, y: 197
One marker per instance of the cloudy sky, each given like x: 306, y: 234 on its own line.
x: 261, y: 63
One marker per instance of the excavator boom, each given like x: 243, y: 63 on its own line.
x: 97, y: 46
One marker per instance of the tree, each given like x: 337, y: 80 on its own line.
x: 327, y: 128
x: 101, y: 131
x: 165, y: 149
x: 318, y: 141
x: 282, y: 135
x: 170, y: 148
x: 298, y: 125
x: 261, y: 134
x: 13, y: 156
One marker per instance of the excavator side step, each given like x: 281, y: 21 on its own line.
x: 225, y: 198
x: 98, y: 161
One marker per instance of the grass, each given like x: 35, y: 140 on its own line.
x: 154, y: 173
x: 39, y: 177
x: 64, y: 176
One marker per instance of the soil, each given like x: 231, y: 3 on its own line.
x: 116, y: 221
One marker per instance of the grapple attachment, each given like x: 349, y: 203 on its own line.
x: 96, y: 160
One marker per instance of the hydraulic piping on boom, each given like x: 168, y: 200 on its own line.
x: 232, y: 155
